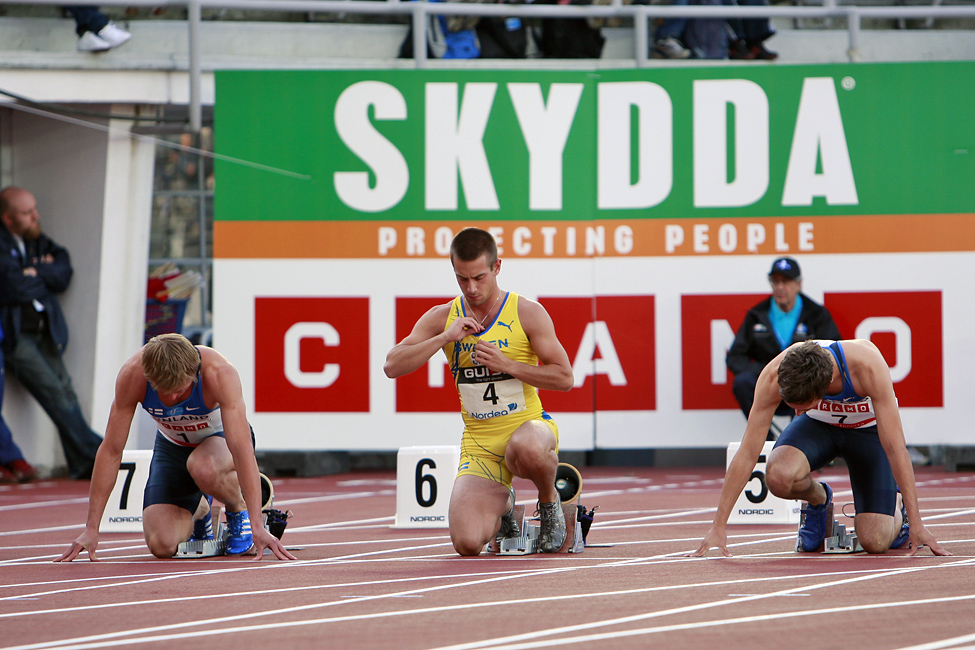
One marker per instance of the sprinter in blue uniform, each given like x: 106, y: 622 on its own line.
x: 844, y: 400
x: 204, y: 448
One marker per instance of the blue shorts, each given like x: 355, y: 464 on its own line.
x: 169, y: 480
x: 874, y: 488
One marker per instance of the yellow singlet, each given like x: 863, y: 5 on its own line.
x: 493, y: 405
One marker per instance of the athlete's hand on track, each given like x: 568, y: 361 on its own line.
x: 87, y: 541
x: 264, y: 539
x: 714, y: 538
x: 921, y: 537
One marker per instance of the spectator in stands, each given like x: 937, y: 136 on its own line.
x: 668, y: 38
x: 712, y: 38
x: 569, y: 38
x: 96, y: 33
x: 33, y: 269
x: 13, y: 467
x: 698, y: 38
x: 750, y: 35
x: 787, y: 316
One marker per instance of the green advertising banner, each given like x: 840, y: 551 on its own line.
x: 641, y: 207
x: 881, y: 139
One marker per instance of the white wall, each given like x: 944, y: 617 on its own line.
x: 94, y: 196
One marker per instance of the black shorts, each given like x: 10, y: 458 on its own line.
x: 169, y: 480
x: 874, y: 488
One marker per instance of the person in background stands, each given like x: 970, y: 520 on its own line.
x: 786, y: 317
x: 33, y: 270
x: 96, y: 33
x: 13, y: 467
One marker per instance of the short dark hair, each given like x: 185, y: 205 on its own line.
x: 805, y: 373
x: 470, y: 243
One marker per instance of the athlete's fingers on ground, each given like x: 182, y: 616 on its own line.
x: 75, y: 551
x: 71, y: 553
x: 703, y: 550
x: 934, y: 546
x: 277, y: 549
x: 282, y: 553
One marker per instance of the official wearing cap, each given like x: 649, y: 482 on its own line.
x: 786, y: 317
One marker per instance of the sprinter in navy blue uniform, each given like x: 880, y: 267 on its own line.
x: 204, y: 448
x: 845, y: 405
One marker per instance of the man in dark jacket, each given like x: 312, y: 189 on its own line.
x: 33, y: 269
x: 787, y: 316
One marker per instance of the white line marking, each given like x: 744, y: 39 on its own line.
x: 945, y: 643
x: 84, y: 643
x: 694, y: 626
x: 42, y: 504
x: 498, y: 644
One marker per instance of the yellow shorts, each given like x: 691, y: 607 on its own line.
x: 484, y: 455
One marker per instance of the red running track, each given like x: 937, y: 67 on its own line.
x: 360, y: 584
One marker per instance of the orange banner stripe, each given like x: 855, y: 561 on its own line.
x: 611, y: 238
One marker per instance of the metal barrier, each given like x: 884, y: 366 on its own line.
x: 419, y: 11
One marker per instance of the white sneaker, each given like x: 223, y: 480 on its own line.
x: 670, y: 48
x: 91, y: 42
x: 114, y: 35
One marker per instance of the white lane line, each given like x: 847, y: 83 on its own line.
x: 244, y: 565
x: 944, y: 643
x: 669, y: 515
x: 333, y: 497
x: 43, y: 504
x: 102, y: 639
x: 339, y: 524
x: 608, y: 636
x: 50, y: 529
x: 499, y: 643
x: 351, y: 585
x: 84, y: 643
x: 234, y: 594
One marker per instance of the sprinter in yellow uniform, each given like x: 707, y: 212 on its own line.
x: 494, y: 340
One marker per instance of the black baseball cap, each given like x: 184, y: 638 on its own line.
x: 785, y: 266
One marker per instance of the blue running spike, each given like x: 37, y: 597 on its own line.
x: 203, y: 527
x: 239, y: 539
x: 812, y: 524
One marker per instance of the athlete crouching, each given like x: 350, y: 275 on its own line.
x: 204, y: 449
x: 493, y: 340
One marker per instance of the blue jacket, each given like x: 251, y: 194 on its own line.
x: 18, y: 291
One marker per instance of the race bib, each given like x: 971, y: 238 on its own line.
x: 489, y: 395
x: 846, y: 415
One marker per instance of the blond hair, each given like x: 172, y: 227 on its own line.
x: 169, y: 361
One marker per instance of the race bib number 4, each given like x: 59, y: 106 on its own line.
x: 489, y: 395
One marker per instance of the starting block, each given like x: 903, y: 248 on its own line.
x: 840, y: 541
x: 568, y: 484
x: 204, y: 547
x: 528, y: 542
x: 274, y: 521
